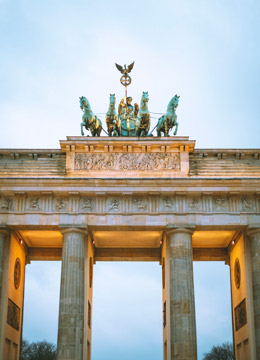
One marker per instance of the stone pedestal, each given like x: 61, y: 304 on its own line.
x: 4, y: 261
x: 182, y: 306
x: 72, y: 300
x: 254, y: 235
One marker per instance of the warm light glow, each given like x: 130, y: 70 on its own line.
x: 210, y: 239
x: 233, y: 242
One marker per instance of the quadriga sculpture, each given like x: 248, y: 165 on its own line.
x: 113, y: 124
x: 144, y: 116
x: 89, y: 120
x: 169, y: 120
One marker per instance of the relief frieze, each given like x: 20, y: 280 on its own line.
x: 86, y: 204
x: 127, y: 161
x: 6, y: 204
x: 13, y: 315
x: 248, y: 204
x: 61, y: 204
x: 240, y: 315
x: 220, y: 203
x: 113, y: 205
x: 194, y: 204
x: 171, y: 203
x: 140, y: 204
x: 33, y: 204
x: 167, y: 203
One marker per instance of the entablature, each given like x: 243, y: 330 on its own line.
x: 130, y: 201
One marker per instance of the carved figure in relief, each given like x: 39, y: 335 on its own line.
x: 167, y: 203
x: 139, y: 204
x: 144, y: 116
x: 247, y: 204
x: 34, y: 203
x: 169, y: 120
x: 114, y: 205
x: 89, y: 120
x: 113, y: 123
x: 126, y: 161
x: 61, y: 204
x: 194, y: 204
x: 87, y: 204
x: 220, y: 203
x: 7, y: 204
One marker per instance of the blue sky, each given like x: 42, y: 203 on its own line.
x: 127, y: 307
x: 207, y: 52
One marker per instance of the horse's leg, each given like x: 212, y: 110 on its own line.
x: 167, y: 128
x: 81, y: 126
x: 176, y: 128
x: 98, y: 131
x: 118, y: 129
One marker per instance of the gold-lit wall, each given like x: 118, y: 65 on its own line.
x: 15, y: 298
x: 242, y: 310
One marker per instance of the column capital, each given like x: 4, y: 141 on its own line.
x: 253, y: 230
x: 171, y: 229
x: 69, y: 230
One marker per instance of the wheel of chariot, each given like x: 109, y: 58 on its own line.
x: 125, y: 80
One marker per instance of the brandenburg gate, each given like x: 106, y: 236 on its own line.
x: 130, y: 197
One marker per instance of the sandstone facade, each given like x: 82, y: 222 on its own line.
x: 130, y: 199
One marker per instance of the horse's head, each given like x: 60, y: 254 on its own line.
x: 145, y: 97
x: 83, y: 102
x: 174, y: 102
x: 112, y: 98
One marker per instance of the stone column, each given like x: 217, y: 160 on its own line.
x: 4, y: 262
x: 72, y: 303
x: 254, y: 235
x: 182, y: 304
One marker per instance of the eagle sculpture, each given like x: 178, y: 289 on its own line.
x: 125, y: 70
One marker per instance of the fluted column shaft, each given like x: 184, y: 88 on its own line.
x: 71, y: 311
x: 4, y: 260
x: 254, y: 235
x: 182, y: 304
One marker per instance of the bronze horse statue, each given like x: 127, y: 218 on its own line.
x: 113, y: 123
x: 144, y: 116
x: 169, y: 120
x: 89, y: 120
